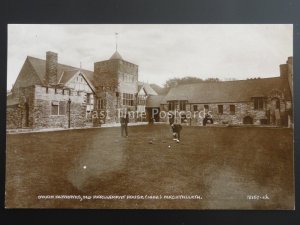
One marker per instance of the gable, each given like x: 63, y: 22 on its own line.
x: 39, y: 66
x: 145, y: 89
x: 27, y: 76
x: 142, y: 91
x: 149, y: 90
x: 78, y: 82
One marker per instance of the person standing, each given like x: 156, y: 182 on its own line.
x: 171, y: 118
x: 124, y: 123
x: 176, y: 128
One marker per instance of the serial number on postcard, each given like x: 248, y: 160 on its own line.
x: 258, y: 197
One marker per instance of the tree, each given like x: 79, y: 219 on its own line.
x: 210, y: 80
x: 173, y: 82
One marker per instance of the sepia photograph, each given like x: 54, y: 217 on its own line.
x: 150, y: 116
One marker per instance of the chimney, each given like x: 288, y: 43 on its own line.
x: 283, y: 70
x: 290, y: 60
x: 51, y: 68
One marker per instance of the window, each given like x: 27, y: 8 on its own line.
x: 172, y: 105
x: 47, y: 90
x: 128, y: 99
x: 128, y: 78
x: 62, y: 108
x: 63, y: 91
x: 220, y: 109
x: 54, y: 108
x: 182, y: 105
x: 258, y: 103
x: 88, y: 98
x: 232, y: 109
x: 55, y: 91
x: 101, y: 103
x: 195, y: 107
x: 141, y: 101
x: 58, y: 108
x: 206, y: 108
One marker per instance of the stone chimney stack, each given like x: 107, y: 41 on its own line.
x: 283, y: 70
x: 51, y: 67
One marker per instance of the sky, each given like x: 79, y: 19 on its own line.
x: 161, y: 51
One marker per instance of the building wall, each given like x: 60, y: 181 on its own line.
x: 126, y: 74
x: 40, y: 100
x: 13, y: 117
x: 21, y: 115
x: 78, y: 83
x: 43, y: 106
x: 290, y: 74
x: 128, y: 77
x: 242, y: 110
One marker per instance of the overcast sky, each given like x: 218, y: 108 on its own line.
x: 160, y: 51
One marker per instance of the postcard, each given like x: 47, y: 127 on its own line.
x: 150, y: 116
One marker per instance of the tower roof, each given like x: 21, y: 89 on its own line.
x: 116, y: 55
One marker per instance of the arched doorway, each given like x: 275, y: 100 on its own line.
x: 275, y: 103
x: 275, y: 111
x: 247, y: 120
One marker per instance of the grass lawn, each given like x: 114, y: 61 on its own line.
x: 223, y: 165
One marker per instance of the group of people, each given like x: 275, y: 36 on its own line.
x: 176, y: 128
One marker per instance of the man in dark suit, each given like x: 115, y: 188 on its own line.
x: 124, y: 122
x: 176, y: 128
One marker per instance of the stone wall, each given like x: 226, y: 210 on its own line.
x: 36, y: 103
x: 13, y: 117
x: 242, y: 110
x: 117, y: 69
x: 45, y: 97
x: 21, y: 115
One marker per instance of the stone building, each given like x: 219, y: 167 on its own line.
x: 48, y: 94
x: 252, y: 101
x: 116, y: 82
x: 144, y: 94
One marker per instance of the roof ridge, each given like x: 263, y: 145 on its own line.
x: 228, y: 81
x: 75, y: 68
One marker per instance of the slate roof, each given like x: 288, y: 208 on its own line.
x: 116, y: 55
x: 159, y: 90
x: 228, y: 91
x: 148, y: 89
x: 154, y: 100
x: 67, y: 75
x: 64, y: 72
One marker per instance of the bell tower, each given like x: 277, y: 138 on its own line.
x: 126, y: 75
